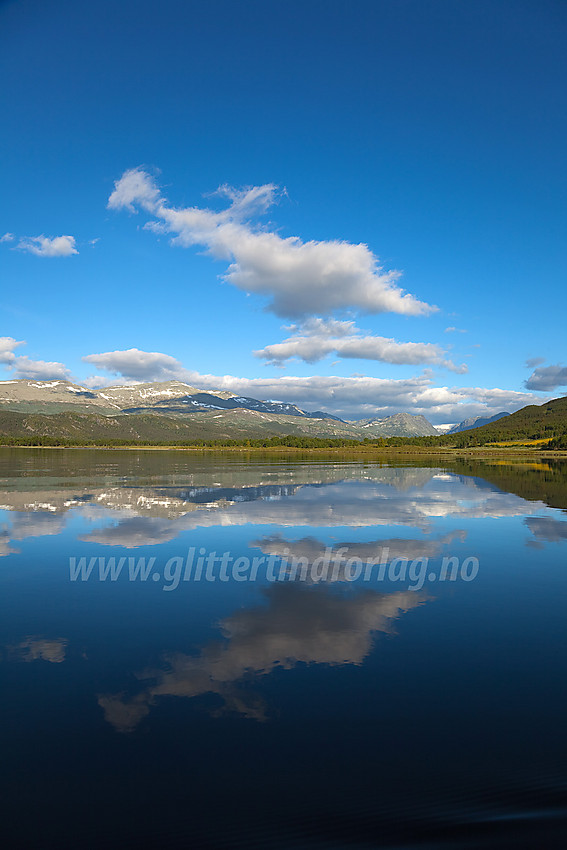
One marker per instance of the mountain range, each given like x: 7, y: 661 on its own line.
x: 476, y: 422
x: 174, y: 412
x: 177, y: 411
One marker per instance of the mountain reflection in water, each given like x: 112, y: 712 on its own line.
x: 303, y: 712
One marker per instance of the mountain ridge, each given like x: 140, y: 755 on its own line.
x: 476, y: 422
x: 198, y: 410
x: 412, y: 424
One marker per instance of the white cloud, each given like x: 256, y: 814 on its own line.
x: 136, y: 365
x: 8, y: 237
x: 40, y: 369
x: 353, y: 397
x: 101, y: 381
x: 45, y: 246
x: 350, y: 397
x: 316, y: 338
x: 134, y: 187
x: 547, y: 378
x: 24, y: 367
x: 7, y: 345
x: 300, y: 278
x: 453, y: 330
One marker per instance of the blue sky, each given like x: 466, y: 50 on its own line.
x: 421, y: 138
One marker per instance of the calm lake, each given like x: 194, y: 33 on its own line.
x: 218, y: 651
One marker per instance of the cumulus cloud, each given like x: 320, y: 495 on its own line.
x: 23, y: 367
x: 40, y: 370
x: 7, y: 346
x: 547, y: 378
x: 8, y: 237
x: 316, y: 338
x: 300, y: 278
x: 348, y: 397
x: 45, y: 246
x: 137, y: 365
x: 368, y: 396
x: 135, y: 188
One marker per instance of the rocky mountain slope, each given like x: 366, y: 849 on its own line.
x: 400, y: 424
x: 476, y: 422
x: 173, y: 410
x: 25, y: 396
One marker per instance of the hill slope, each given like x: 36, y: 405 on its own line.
x: 530, y: 423
x: 237, y: 424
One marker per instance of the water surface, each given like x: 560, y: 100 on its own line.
x: 286, y: 707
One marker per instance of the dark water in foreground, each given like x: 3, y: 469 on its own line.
x: 320, y: 703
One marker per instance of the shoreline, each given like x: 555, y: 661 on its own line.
x: 480, y: 451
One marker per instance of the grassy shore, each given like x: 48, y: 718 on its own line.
x: 496, y: 452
